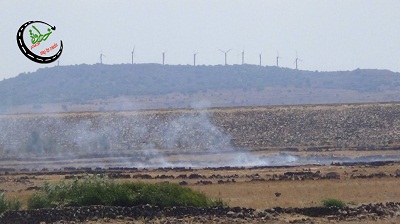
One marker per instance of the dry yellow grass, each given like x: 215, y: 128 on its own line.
x: 262, y: 194
x: 304, y: 193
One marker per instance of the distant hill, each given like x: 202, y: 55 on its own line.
x: 222, y: 85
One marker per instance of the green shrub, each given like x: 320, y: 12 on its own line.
x: 3, y: 203
x: 38, y: 200
x: 93, y: 190
x: 6, y: 205
x: 14, y: 205
x: 333, y: 203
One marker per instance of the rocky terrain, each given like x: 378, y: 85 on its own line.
x: 364, y: 126
x: 362, y: 213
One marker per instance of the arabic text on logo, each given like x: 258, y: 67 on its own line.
x: 44, y: 46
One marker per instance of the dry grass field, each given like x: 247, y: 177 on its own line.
x: 249, y: 188
x: 248, y: 192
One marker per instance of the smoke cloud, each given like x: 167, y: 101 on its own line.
x: 164, y: 138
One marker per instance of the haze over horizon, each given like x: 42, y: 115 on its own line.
x: 328, y: 35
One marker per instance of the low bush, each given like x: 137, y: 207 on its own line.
x: 333, y: 203
x: 8, y: 205
x: 39, y: 200
x: 94, y: 190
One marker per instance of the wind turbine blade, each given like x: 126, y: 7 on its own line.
x: 221, y: 51
x: 228, y: 50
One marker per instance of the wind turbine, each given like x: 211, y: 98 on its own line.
x: 260, y: 57
x: 277, y: 59
x: 163, y: 57
x: 297, y: 59
x: 58, y: 62
x: 225, y: 52
x: 242, y: 57
x: 194, y: 58
x: 101, y: 57
x: 133, y: 52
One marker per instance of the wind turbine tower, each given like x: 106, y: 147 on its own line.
x: 297, y: 59
x: 243, y: 57
x: 225, y: 52
x: 277, y: 59
x: 194, y: 58
x: 101, y: 57
x: 133, y: 52
x: 260, y: 58
x: 163, y: 57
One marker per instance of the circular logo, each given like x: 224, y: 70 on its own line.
x: 38, y: 41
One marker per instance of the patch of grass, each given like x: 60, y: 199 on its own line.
x: 94, y: 190
x: 333, y: 203
x: 8, y: 205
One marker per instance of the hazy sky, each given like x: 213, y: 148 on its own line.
x: 328, y: 35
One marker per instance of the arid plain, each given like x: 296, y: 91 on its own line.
x: 258, y: 157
